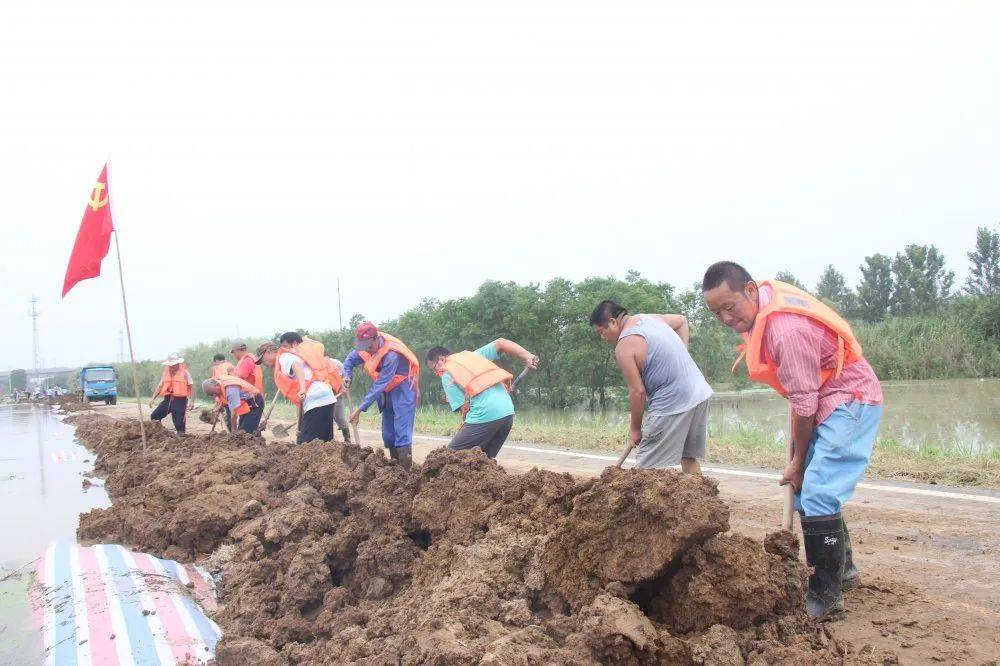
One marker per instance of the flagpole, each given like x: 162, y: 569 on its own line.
x: 131, y: 349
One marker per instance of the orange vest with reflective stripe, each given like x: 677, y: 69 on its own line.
x: 372, y: 361
x: 223, y: 368
x: 313, y: 356
x: 225, y: 381
x: 787, y: 298
x: 175, y: 384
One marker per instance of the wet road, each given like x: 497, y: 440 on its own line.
x: 41, y: 498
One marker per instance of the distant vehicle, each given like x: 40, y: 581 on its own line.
x: 99, y: 382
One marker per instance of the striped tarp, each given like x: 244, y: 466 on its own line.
x: 105, y: 604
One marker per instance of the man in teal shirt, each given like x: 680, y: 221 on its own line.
x: 489, y: 413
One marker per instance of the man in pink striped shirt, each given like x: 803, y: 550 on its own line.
x: 836, y: 404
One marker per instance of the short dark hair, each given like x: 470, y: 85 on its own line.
x: 290, y: 337
x: 734, y: 275
x: 434, y: 353
x: 219, y: 357
x: 606, y: 311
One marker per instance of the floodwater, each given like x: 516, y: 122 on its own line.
x: 955, y: 415
x: 41, y: 498
x: 960, y: 415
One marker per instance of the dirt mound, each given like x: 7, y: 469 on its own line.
x: 330, y: 553
x: 67, y: 403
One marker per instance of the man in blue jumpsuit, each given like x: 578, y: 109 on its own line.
x: 398, y: 405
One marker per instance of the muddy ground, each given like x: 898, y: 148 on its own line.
x: 330, y: 553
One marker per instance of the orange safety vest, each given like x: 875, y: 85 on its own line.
x: 232, y: 380
x: 258, y: 375
x: 174, y: 385
x: 258, y: 378
x: 474, y: 373
x: 787, y: 298
x: 334, y: 375
x: 313, y: 356
x: 223, y: 368
x: 372, y: 361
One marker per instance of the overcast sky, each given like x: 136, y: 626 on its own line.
x: 260, y: 150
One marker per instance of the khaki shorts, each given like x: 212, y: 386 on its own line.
x: 666, y: 438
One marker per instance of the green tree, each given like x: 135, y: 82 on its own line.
x: 712, y: 344
x: 18, y: 380
x: 875, y: 290
x: 786, y: 276
x: 921, y: 285
x: 984, y: 272
x: 832, y: 288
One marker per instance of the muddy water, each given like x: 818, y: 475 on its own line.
x: 41, y: 497
x: 959, y: 415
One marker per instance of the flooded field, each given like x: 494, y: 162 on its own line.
x: 959, y: 415
x: 41, y: 497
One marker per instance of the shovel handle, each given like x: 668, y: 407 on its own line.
x: 786, y: 513
x: 267, y: 415
x: 350, y: 410
x: 513, y: 384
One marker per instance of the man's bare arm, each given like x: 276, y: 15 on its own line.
x: 680, y: 324
x: 630, y: 356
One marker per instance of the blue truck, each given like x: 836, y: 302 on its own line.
x: 99, y: 382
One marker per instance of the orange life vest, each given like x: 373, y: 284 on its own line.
x: 257, y: 376
x: 474, y: 373
x: 334, y: 375
x: 223, y: 368
x: 787, y: 298
x: 372, y: 361
x: 176, y: 384
x: 232, y: 380
x: 313, y: 356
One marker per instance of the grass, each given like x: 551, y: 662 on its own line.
x: 743, y: 446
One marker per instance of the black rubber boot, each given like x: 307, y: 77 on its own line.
x: 404, y: 456
x: 825, y: 551
x: 346, y: 432
x: 394, y: 453
x: 851, y: 577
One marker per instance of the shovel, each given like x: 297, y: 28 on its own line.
x: 215, y: 422
x: 350, y: 410
x: 513, y: 384
x: 787, y: 509
x: 263, y: 424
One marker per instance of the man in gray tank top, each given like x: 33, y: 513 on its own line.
x: 667, y: 392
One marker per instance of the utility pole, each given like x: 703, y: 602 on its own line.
x: 35, y: 358
x: 121, y: 346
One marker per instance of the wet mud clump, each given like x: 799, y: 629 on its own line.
x: 331, y: 553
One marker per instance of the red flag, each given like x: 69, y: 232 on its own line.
x: 94, y: 237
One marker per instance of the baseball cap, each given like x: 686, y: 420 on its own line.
x: 263, y: 349
x: 238, y: 344
x: 364, y: 334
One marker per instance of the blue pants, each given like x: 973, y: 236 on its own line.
x: 838, y: 456
x: 399, y: 409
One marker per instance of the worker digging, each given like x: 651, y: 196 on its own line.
x: 808, y: 353
x: 794, y: 343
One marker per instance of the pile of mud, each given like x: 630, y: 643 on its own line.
x: 68, y: 403
x: 331, y: 553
